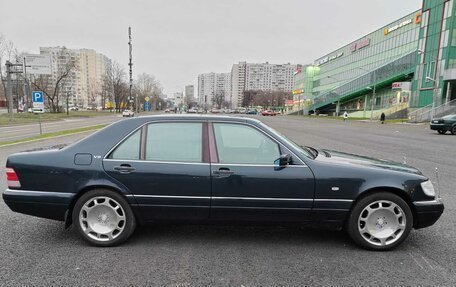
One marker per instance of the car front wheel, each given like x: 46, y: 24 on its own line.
x: 103, y: 218
x: 453, y: 130
x: 380, y: 221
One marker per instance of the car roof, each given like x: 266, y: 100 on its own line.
x: 196, y: 117
x: 102, y: 140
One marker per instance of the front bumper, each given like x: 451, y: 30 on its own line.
x: 427, y: 212
x: 437, y: 127
x: 51, y: 205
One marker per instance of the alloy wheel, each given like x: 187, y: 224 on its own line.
x: 102, y: 218
x: 382, y: 223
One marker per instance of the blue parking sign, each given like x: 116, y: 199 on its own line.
x: 38, y: 97
x: 38, y: 100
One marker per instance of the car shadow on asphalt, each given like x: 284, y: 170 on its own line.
x: 229, y: 234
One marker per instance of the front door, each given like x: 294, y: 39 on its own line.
x: 164, y: 166
x: 248, y: 186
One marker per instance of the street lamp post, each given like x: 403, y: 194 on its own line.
x: 433, y: 95
x: 435, y: 84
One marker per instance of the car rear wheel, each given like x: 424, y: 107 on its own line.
x: 453, y: 130
x: 103, y: 218
x: 380, y: 221
x: 442, y: 132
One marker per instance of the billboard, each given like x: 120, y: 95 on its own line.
x: 38, y: 64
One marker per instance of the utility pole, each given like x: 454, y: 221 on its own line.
x: 9, y: 89
x: 24, y: 77
x: 131, y: 70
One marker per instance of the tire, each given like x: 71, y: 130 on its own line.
x: 442, y: 132
x: 368, y: 221
x: 103, y: 218
x: 453, y: 130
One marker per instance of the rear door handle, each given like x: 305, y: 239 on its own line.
x: 223, y: 172
x: 124, y: 168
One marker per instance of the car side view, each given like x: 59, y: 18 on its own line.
x: 444, y: 124
x: 206, y: 169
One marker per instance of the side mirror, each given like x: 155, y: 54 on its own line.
x: 283, y: 160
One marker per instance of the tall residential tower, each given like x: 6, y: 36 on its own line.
x: 260, y: 77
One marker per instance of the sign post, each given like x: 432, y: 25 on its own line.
x: 38, y: 105
x: 39, y: 64
x: 147, y: 104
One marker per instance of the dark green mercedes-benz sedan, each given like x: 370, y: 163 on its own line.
x: 214, y: 169
x: 444, y: 124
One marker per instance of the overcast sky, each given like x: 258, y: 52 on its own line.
x: 176, y: 40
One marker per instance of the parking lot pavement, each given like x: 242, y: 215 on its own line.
x: 40, y: 252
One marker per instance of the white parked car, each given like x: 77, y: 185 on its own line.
x: 128, y: 113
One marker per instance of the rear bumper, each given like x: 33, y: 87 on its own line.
x: 427, y: 212
x: 51, y: 205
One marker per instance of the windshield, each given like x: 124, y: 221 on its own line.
x: 449, y: 117
x: 305, y: 151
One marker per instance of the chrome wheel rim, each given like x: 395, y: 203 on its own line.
x: 102, y: 218
x: 382, y: 223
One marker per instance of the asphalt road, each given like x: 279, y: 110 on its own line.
x: 36, y: 251
x: 16, y: 132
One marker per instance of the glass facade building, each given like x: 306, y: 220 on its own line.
x: 435, y: 73
x: 403, y: 64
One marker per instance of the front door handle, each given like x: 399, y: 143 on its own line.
x: 124, y: 168
x: 223, y: 172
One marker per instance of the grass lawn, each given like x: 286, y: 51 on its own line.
x: 54, y: 134
x: 23, y: 118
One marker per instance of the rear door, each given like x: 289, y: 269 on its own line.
x: 166, y: 168
x: 248, y: 186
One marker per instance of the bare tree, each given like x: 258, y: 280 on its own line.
x: 107, y: 87
x: 147, y: 86
x: 2, y: 56
x: 8, y: 52
x: 53, y: 87
x: 247, y: 100
x: 105, y: 91
x: 92, y: 94
x: 119, y: 86
x: 265, y: 98
x: 218, y: 99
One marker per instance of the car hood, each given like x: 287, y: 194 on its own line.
x: 351, y: 159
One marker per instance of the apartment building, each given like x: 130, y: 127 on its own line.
x: 260, y: 76
x: 83, y: 86
x: 190, y: 93
x: 212, y: 84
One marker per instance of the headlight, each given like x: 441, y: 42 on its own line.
x: 428, y: 188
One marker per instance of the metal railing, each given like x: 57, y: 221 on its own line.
x: 426, y: 113
x: 416, y: 114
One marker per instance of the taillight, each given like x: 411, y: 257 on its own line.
x: 12, y: 179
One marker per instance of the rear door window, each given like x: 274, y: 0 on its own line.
x: 129, y: 148
x: 174, y: 142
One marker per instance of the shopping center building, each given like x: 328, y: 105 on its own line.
x: 404, y: 69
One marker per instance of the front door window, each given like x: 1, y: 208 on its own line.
x: 241, y: 144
